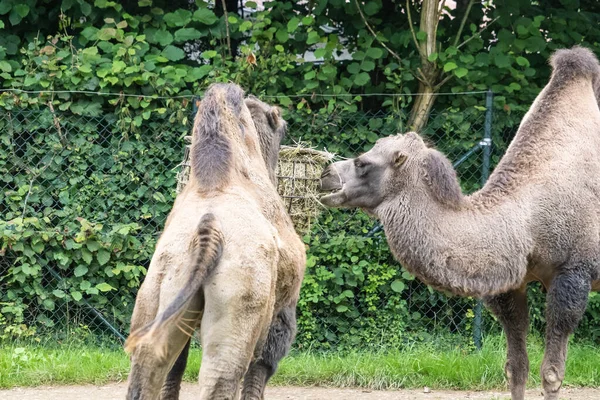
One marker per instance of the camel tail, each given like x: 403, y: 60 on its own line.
x: 575, y: 63
x: 205, y: 257
x: 216, y: 120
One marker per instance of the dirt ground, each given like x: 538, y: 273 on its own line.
x: 190, y: 392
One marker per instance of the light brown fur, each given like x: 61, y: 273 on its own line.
x: 536, y: 219
x: 228, y: 262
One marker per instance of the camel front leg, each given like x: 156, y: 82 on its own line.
x: 511, y: 310
x: 279, y: 340
x: 566, y: 303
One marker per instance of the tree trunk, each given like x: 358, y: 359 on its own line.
x: 428, y: 72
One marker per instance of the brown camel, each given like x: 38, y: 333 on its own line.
x: 229, y: 262
x: 536, y: 219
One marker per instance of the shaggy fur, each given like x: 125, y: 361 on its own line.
x: 229, y: 262
x: 536, y: 219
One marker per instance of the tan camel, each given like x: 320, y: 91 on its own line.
x: 536, y: 219
x: 228, y: 262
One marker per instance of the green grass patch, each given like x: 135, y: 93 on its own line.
x: 411, y: 367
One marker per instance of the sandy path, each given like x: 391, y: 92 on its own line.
x: 190, y: 392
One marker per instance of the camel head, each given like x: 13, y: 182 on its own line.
x: 393, y: 167
x: 271, y: 129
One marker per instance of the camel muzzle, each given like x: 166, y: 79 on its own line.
x: 330, y: 180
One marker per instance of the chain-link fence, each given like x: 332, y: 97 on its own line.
x: 85, y: 197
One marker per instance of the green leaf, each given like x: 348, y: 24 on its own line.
x: 371, y: 8
x: 367, y: 65
x: 102, y: 256
x: 58, y: 293
x: 104, y: 287
x: 185, y: 34
x: 92, y: 245
x: 5, y: 66
x: 48, y: 304
x: 282, y: 35
x: 5, y: 6
x: 292, y: 24
x: 432, y: 57
x: 21, y: 9
x: 85, y: 285
x: 398, y: 286
x: 76, y: 296
x: 341, y: 308
x: 162, y: 37
x: 522, y: 61
x: 106, y: 33
x: 313, y: 37
x: 86, y: 256
x: 362, y: 79
x: 502, y: 60
x: 86, y: 8
x: 421, y: 35
x: 180, y: 17
x: 80, y: 271
x: 449, y: 66
x: 205, y: 16
x: 374, y: 52
x: 173, y: 53
x: 460, y: 72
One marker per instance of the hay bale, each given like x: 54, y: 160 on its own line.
x: 298, y: 172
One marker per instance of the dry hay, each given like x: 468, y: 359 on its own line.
x: 298, y: 171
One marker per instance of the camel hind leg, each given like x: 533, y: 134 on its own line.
x: 511, y: 310
x: 566, y: 303
x: 279, y: 340
x: 236, y: 317
x: 152, y: 361
x: 172, y: 385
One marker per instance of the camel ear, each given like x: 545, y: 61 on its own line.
x: 399, y: 159
x: 441, y: 179
x: 273, y: 116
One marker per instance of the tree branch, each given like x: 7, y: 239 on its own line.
x: 225, y: 15
x: 441, y: 10
x: 412, y: 29
x: 462, y: 22
x: 439, y: 85
x: 392, y: 52
x: 478, y: 33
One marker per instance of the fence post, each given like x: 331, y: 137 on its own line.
x: 486, y: 145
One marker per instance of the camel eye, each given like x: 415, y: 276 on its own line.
x: 358, y: 163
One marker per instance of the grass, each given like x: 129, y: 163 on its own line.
x: 412, y: 367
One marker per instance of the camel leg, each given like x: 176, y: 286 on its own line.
x: 170, y: 390
x: 236, y: 318
x: 149, y: 369
x: 566, y: 303
x: 511, y: 310
x: 279, y: 340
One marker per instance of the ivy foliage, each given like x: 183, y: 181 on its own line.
x: 88, y: 178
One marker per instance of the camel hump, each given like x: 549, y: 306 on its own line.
x: 206, y: 251
x: 216, y: 121
x: 575, y: 63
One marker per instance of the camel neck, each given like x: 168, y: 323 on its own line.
x: 466, y: 251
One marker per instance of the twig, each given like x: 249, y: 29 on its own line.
x: 478, y: 33
x: 462, y: 22
x: 412, y: 29
x: 446, y: 79
x: 56, y: 122
x: 392, y: 52
x: 441, y: 10
x: 227, y: 27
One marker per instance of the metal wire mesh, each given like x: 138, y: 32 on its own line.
x: 85, y: 197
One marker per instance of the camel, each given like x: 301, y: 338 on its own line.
x: 536, y: 219
x: 228, y: 262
